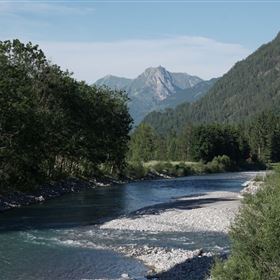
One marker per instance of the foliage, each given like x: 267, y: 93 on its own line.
x: 264, y: 135
x: 50, y: 124
x: 135, y: 170
x: 171, y: 169
x: 255, y: 237
x: 195, y: 142
x: 220, y: 164
x: 208, y: 141
x: 142, y: 144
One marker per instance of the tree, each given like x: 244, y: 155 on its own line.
x: 209, y: 141
x: 143, y: 144
x: 264, y: 132
x: 53, y: 126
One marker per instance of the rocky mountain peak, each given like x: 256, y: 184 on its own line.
x: 160, y: 81
x: 157, y: 88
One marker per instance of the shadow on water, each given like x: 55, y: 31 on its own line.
x: 102, y: 204
x: 71, y: 210
x: 197, y: 268
x: 178, y: 204
x: 56, y: 240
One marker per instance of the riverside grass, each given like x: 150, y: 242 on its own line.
x: 255, y: 236
x: 138, y: 170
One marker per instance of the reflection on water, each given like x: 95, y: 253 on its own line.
x: 61, y: 238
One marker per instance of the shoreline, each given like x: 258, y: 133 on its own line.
x: 48, y: 191
x: 51, y: 190
x: 205, y: 217
x: 208, y: 212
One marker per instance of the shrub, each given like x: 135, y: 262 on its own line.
x: 179, y: 169
x: 255, y: 237
x: 219, y: 164
x: 162, y: 167
x: 135, y: 170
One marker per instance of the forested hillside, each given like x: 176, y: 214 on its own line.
x: 250, y: 87
x: 51, y: 125
x: 257, y: 141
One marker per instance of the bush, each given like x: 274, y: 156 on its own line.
x: 255, y: 237
x: 135, y: 170
x: 219, y: 164
x: 162, y: 167
x: 179, y: 169
x: 184, y: 169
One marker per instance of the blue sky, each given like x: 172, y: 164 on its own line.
x: 95, y: 38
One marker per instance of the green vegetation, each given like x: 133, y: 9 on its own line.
x: 173, y: 169
x: 135, y: 170
x: 143, y: 144
x: 196, y: 143
x: 208, y: 141
x: 140, y: 170
x: 255, y: 237
x: 250, y: 87
x: 264, y: 136
x: 53, y: 126
x: 247, y: 145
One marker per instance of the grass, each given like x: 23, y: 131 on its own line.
x: 154, y: 162
x: 137, y: 170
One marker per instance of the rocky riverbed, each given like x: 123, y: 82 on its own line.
x: 172, y: 263
x: 177, y: 237
x: 213, y: 211
x: 206, y: 212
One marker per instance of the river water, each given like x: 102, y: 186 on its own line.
x: 61, y: 239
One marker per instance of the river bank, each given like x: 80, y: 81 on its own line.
x: 71, y: 231
x: 203, y: 213
x: 45, y: 192
x: 160, y: 170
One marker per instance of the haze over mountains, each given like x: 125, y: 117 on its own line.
x: 156, y: 89
x: 250, y: 87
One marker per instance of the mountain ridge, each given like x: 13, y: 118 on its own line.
x: 249, y: 87
x: 157, y: 88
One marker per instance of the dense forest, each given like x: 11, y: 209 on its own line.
x: 257, y: 140
x: 251, y: 86
x: 51, y: 125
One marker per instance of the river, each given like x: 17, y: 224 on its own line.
x: 62, y: 238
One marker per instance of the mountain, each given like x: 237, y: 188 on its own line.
x: 161, y: 83
x: 190, y: 94
x: 113, y: 82
x: 251, y: 86
x: 156, y: 89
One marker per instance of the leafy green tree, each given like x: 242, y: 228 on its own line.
x: 53, y: 126
x: 208, y: 141
x: 264, y: 132
x: 143, y: 144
